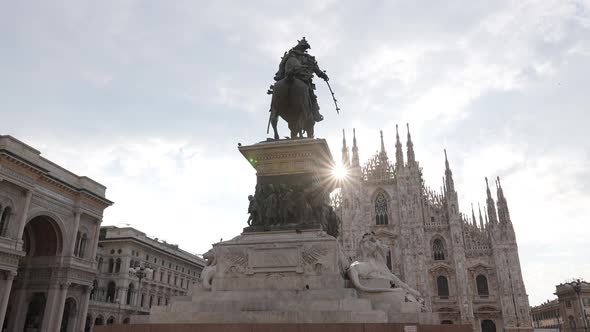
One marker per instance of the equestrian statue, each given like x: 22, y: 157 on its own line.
x: 293, y: 97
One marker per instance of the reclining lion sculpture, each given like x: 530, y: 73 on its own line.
x: 370, y: 264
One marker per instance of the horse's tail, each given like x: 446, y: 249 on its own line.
x: 353, y: 275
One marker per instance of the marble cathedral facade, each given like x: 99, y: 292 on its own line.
x: 467, y: 268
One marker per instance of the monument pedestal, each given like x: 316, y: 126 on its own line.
x: 285, y: 267
x: 274, y: 277
x: 278, y: 260
x: 293, y: 182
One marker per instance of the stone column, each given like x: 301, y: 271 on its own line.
x: 83, y: 310
x: 23, y: 221
x: 123, y: 295
x: 18, y: 314
x: 54, y: 308
x: 5, y: 286
x: 77, y: 214
x: 135, y: 296
x: 95, y: 242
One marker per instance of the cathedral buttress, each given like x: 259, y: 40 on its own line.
x: 514, y: 300
x: 457, y: 246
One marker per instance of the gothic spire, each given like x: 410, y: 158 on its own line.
x: 382, y: 143
x: 399, y: 155
x: 490, y: 204
x: 473, y: 217
x: 355, y: 151
x: 345, y: 156
x: 449, y: 175
x: 480, y: 217
x: 503, y: 213
x: 410, y: 146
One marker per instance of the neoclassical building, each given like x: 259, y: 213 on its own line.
x: 547, y: 316
x: 570, y: 311
x: 136, y: 272
x: 574, y: 302
x: 49, y: 229
x: 467, y: 267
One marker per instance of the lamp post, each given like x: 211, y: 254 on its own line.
x: 140, y: 272
x: 577, y: 286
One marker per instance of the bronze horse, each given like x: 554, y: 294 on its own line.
x: 291, y: 101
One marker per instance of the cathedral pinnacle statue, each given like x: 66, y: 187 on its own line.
x: 293, y: 97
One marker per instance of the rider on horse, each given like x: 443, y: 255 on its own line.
x: 298, y: 64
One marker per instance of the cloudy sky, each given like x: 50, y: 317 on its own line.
x: 150, y: 98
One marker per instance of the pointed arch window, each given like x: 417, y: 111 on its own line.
x: 438, y: 250
x: 442, y: 286
x: 111, y: 265
x: 482, y: 285
x: 118, y: 265
x: 381, y: 211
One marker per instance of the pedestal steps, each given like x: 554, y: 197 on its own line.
x: 270, y: 317
x: 272, y: 305
x: 306, y: 294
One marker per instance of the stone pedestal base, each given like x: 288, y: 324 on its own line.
x: 281, y: 260
x: 284, y: 277
x: 274, y: 277
x: 270, y: 306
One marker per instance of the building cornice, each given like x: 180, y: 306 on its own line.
x: 198, y: 261
x: 46, y: 176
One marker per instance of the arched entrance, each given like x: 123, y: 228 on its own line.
x: 99, y: 321
x: 42, y: 237
x: 488, y: 326
x: 35, y: 311
x: 42, y: 244
x: 111, y: 320
x: 69, y: 316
